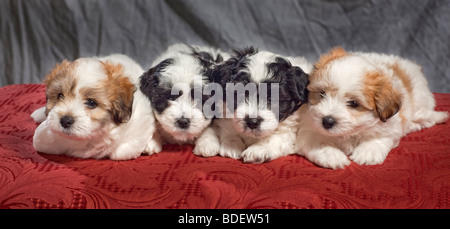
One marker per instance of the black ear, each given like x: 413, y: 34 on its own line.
x: 150, y: 79
x: 297, y: 83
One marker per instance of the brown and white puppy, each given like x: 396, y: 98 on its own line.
x: 360, y: 105
x: 94, y: 110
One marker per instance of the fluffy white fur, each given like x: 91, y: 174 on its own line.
x: 89, y: 137
x: 375, y: 100
x: 272, y: 139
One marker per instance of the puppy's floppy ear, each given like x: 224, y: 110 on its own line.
x: 120, y: 92
x: 385, y: 100
x: 296, y: 79
x: 150, y: 79
x: 333, y: 54
x: 388, y: 102
x: 297, y: 84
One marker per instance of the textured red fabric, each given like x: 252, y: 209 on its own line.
x: 416, y: 174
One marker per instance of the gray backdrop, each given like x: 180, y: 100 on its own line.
x: 35, y: 34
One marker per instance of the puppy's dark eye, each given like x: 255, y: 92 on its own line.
x: 352, y: 104
x: 91, y: 104
x: 323, y: 94
x: 60, y: 96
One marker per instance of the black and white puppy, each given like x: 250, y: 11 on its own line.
x: 174, y: 86
x: 263, y: 91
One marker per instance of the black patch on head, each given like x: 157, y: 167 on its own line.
x: 158, y: 92
x: 292, y: 83
x: 228, y: 71
x: 207, y: 60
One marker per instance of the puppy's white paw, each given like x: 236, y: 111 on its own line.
x: 152, y: 147
x: 207, y: 149
x: 232, y: 149
x: 123, y: 152
x: 369, y: 154
x: 328, y: 157
x: 39, y: 115
x: 256, y: 154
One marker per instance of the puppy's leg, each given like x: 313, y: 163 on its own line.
x: 125, y: 151
x: 153, y: 145
x: 39, y: 115
x: 430, y: 118
x: 47, y: 141
x: 372, y: 152
x: 231, y: 144
x: 208, y: 144
x: 272, y: 147
x: 327, y: 157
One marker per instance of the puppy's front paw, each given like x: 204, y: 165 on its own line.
x: 369, y: 154
x: 256, y: 154
x: 328, y: 157
x: 152, y: 147
x: 232, y: 149
x: 207, y: 149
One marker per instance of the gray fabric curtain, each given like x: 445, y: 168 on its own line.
x: 36, y: 34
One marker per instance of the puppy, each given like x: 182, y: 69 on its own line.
x: 174, y: 86
x: 93, y: 110
x: 260, y: 125
x: 360, y: 105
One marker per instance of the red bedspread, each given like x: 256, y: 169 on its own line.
x: 416, y: 174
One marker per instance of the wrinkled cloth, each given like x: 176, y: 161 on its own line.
x: 34, y: 35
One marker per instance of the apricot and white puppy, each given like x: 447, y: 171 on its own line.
x: 360, y: 105
x: 94, y: 110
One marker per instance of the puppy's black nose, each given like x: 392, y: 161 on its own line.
x: 252, y: 123
x: 328, y: 122
x: 66, y: 121
x: 183, y: 123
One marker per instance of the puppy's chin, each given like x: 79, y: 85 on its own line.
x: 267, y: 124
x: 74, y: 135
x: 70, y: 135
x: 77, y: 132
x: 182, y: 135
x: 240, y: 127
x: 265, y: 129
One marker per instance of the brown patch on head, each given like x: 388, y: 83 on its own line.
x: 119, y: 92
x: 333, y: 54
x: 60, y: 83
x: 318, y: 82
x: 381, y: 96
